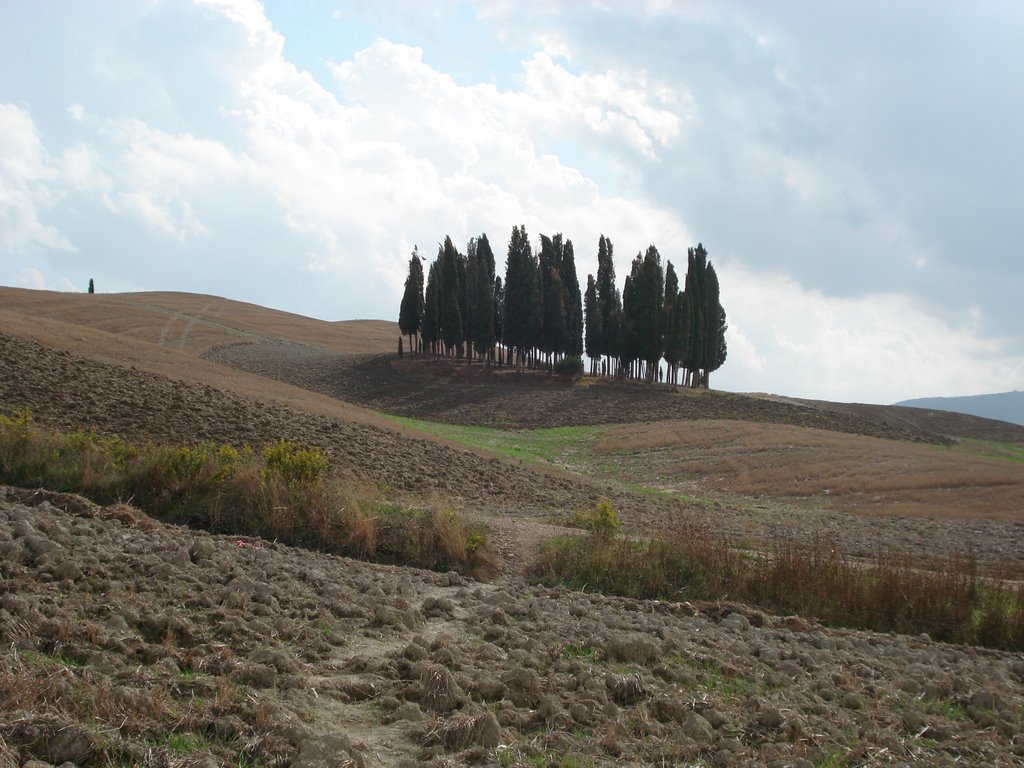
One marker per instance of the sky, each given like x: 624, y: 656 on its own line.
x: 855, y: 170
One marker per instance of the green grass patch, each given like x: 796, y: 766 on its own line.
x: 951, y: 710
x: 992, y: 449
x: 282, y: 491
x: 560, y: 446
x: 183, y: 743
x: 573, y: 651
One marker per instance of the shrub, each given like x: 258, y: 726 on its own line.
x: 293, y: 464
x: 570, y: 365
x: 602, y: 520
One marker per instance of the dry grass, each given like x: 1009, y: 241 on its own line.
x: 284, y: 492
x: 196, y: 323
x: 846, y: 472
x: 944, y: 597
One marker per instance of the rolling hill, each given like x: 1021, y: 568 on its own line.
x: 1003, y: 406
x: 130, y: 642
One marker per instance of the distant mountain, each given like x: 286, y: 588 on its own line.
x: 1005, y: 406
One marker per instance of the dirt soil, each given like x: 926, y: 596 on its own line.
x: 128, y: 642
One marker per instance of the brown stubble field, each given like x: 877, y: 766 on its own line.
x: 857, y: 474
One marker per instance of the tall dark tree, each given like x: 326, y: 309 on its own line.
x: 592, y: 316
x: 430, y: 330
x: 609, y: 301
x: 92, y: 286
x: 410, y: 314
x: 499, y: 310
x: 714, y: 337
x: 463, y: 295
x: 648, y: 321
x: 471, y: 289
x: 627, y: 348
x: 522, y: 319
x: 572, y: 301
x: 670, y: 341
x: 552, y: 337
x: 696, y: 264
x: 450, y: 297
x: 482, y: 311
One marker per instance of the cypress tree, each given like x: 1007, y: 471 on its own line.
x: 649, y: 316
x: 499, y: 311
x: 670, y: 322
x: 592, y: 312
x: 696, y: 259
x: 451, y: 297
x: 483, y: 331
x: 609, y: 300
x: 522, y: 318
x: 714, y: 339
x: 552, y: 338
x: 430, y: 331
x: 471, y: 272
x: 628, y: 346
x: 410, y: 313
x: 572, y: 301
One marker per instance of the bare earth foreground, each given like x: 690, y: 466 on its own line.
x: 129, y: 642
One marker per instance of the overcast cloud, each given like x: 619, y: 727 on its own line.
x: 854, y: 169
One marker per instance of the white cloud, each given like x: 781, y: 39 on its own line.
x: 647, y: 122
x: 881, y: 347
x: 30, y: 277
x: 27, y: 177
